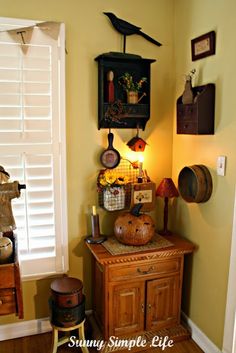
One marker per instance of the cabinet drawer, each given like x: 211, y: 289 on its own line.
x: 157, y: 268
x: 7, y: 276
x: 187, y: 112
x: 7, y: 301
x: 187, y: 127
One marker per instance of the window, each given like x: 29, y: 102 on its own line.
x: 32, y: 139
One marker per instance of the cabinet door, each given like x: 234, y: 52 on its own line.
x: 163, y: 302
x: 126, y: 308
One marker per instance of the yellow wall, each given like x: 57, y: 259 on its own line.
x: 88, y: 34
x: 208, y: 225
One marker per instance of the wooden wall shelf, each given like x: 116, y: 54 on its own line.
x: 197, y: 118
x: 129, y: 115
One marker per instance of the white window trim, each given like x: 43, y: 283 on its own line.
x: 61, y: 259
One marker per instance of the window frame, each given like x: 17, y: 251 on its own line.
x: 61, y: 263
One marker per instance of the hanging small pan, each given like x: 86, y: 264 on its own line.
x: 110, y: 158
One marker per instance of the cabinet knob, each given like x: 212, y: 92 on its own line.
x: 1, y: 302
x: 149, y: 306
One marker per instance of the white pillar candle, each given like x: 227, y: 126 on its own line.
x: 140, y: 169
x: 141, y: 159
x: 94, y: 211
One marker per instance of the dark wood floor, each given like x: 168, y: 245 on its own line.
x: 42, y: 344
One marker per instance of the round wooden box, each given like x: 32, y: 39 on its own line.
x: 67, y: 292
x: 195, y: 183
x: 67, y: 317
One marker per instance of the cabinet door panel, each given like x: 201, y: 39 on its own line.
x: 163, y: 301
x: 126, y: 309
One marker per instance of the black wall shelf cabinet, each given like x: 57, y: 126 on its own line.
x: 120, y: 114
x: 197, y: 118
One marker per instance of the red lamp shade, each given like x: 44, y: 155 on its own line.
x: 167, y: 190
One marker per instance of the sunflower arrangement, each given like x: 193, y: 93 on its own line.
x: 110, y: 178
x: 128, y: 84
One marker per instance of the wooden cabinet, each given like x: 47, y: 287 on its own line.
x: 139, y: 291
x: 119, y: 113
x: 10, y: 284
x: 197, y: 118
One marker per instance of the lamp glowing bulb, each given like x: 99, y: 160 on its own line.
x: 141, y: 158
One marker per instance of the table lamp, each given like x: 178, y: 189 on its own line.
x: 167, y: 190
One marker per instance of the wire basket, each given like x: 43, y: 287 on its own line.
x: 119, y: 197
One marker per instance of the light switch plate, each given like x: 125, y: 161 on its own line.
x: 221, y: 163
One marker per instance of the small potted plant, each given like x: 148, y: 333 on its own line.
x: 111, y: 184
x: 132, y: 87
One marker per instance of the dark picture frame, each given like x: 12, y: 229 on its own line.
x: 203, y: 46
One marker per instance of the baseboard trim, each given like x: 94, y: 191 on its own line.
x: 199, y: 337
x: 27, y: 328
x: 24, y: 328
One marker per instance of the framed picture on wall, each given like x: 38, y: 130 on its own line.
x: 203, y: 46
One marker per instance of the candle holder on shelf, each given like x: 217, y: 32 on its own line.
x: 96, y: 237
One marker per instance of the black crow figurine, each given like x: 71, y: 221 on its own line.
x: 128, y: 29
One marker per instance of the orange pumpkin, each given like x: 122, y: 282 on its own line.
x: 133, y: 228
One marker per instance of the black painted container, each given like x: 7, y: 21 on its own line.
x: 67, y: 317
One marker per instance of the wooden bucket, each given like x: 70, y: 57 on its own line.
x: 195, y: 183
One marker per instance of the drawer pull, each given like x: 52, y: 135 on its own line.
x: 1, y: 302
x: 145, y: 272
x: 142, y: 308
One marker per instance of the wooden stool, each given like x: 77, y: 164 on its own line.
x: 56, y: 342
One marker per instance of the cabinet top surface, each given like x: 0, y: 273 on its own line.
x: 180, y: 246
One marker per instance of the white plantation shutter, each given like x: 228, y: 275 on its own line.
x: 32, y: 146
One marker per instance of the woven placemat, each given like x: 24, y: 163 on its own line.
x: 116, y: 248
